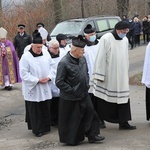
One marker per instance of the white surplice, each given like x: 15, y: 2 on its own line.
x: 55, y: 89
x: 90, y: 53
x: 146, y: 68
x: 31, y: 70
x: 64, y: 50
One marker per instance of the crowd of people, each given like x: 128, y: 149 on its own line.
x: 138, y: 28
x: 76, y: 88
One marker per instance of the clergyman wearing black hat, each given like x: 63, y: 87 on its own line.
x: 121, y: 29
x: 90, y: 35
x: 36, y: 46
x: 76, y: 111
x: 62, y: 39
x: 37, y: 71
x: 21, y: 40
x: 110, y: 80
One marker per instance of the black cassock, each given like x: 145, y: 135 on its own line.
x: 38, y: 116
x: 113, y: 112
x: 77, y: 119
x: 147, y: 103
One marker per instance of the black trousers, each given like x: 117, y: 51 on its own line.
x: 145, y: 37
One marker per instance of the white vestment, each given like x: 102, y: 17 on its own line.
x: 55, y: 90
x: 64, y: 50
x: 146, y: 68
x: 31, y: 70
x: 110, y: 80
x: 90, y: 53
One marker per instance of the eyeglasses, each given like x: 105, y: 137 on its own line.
x: 55, y: 47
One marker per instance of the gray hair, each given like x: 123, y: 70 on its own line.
x: 52, y: 42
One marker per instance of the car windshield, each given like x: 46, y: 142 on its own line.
x: 70, y: 27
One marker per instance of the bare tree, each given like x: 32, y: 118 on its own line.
x: 123, y: 7
x: 50, y: 12
x: 82, y: 8
x: 57, y: 10
x: 0, y: 12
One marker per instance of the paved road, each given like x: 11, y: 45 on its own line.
x: 15, y: 136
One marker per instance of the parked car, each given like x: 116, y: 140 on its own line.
x: 75, y: 27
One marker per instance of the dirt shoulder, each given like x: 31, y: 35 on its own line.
x: 136, y: 79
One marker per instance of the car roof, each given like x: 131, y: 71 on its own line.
x: 89, y: 18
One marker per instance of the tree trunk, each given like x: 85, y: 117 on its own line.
x: 57, y: 10
x: 123, y: 7
x: 82, y: 8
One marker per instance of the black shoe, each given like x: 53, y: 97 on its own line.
x: 39, y: 134
x: 126, y: 126
x: 96, y: 138
x: 8, y: 88
x: 102, y: 124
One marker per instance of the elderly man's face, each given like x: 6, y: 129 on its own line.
x: 37, y: 48
x: 79, y: 52
x: 54, y: 48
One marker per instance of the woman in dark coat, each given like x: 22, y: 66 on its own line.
x: 137, y: 31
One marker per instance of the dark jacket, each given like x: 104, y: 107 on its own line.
x: 148, y: 30
x: 20, y: 42
x: 72, y: 78
x: 145, y: 26
x: 138, y: 28
x: 131, y: 26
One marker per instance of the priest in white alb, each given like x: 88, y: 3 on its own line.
x: 37, y: 73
